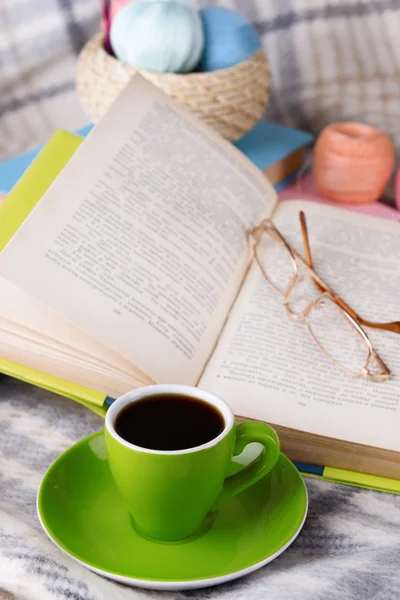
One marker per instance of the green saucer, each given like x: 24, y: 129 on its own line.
x: 82, y: 512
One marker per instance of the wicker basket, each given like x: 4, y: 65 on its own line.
x: 231, y: 100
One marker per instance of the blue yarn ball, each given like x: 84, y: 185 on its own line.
x: 158, y: 35
x: 229, y: 38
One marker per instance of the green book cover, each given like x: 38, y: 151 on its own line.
x: 13, y: 212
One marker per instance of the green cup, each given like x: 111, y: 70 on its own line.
x: 170, y: 494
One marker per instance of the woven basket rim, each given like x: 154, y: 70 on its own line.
x: 201, y: 75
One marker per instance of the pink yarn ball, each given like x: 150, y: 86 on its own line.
x: 116, y: 6
x: 352, y: 162
x: 397, y: 189
x: 110, y: 10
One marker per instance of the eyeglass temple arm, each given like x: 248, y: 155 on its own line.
x: 394, y: 326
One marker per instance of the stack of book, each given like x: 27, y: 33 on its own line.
x: 125, y: 261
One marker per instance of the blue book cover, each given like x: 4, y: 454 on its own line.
x: 265, y: 145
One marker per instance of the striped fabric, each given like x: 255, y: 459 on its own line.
x: 349, y: 548
x: 330, y: 60
x: 39, y: 43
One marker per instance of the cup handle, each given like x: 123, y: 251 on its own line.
x: 246, y: 433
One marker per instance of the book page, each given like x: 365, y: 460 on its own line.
x: 22, y: 314
x: 141, y: 241
x: 269, y: 367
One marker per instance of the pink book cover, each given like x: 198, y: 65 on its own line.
x: 304, y: 190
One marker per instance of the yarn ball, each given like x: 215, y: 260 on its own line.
x: 229, y: 38
x: 165, y: 36
x: 352, y: 162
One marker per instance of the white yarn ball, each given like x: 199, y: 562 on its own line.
x: 158, y: 35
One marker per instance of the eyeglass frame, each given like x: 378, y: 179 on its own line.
x: 268, y: 227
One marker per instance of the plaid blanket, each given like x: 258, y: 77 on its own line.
x: 39, y: 44
x: 330, y: 60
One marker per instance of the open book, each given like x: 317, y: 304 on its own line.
x: 136, y: 267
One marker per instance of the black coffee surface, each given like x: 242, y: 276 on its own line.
x: 169, y: 422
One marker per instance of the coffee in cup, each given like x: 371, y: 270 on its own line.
x: 170, y: 448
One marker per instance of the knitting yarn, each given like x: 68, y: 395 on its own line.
x: 352, y: 162
x: 158, y: 35
x: 229, y: 38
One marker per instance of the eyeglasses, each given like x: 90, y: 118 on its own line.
x: 333, y: 325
